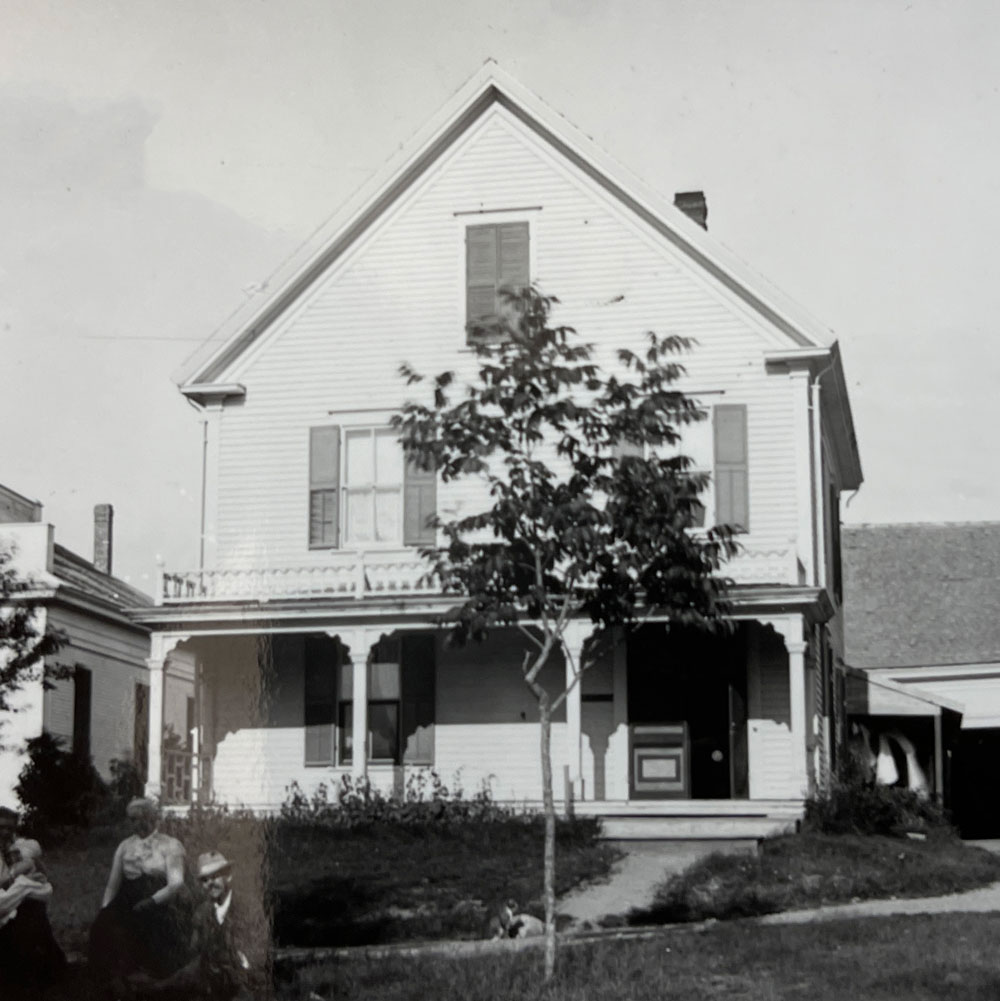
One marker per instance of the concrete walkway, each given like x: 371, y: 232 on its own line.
x: 634, y: 878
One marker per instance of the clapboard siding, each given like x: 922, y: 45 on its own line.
x: 398, y: 295
x: 769, y: 727
x: 116, y: 658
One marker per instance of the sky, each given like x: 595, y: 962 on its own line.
x: 160, y: 159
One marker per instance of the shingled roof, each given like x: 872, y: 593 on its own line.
x: 76, y: 572
x: 921, y: 594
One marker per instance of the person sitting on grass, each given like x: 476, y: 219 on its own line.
x: 220, y: 968
x: 142, y: 927
x: 30, y: 957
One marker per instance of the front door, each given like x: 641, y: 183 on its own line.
x: 698, y: 680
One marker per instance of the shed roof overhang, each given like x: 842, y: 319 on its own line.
x: 870, y: 696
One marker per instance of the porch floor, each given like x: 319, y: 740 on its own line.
x: 693, y: 819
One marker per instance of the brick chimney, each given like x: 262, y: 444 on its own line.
x: 104, y: 517
x: 693, y: 205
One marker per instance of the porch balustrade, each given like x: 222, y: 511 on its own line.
x: 392, y: 573
x: 348, y: 575
x: 185, y: 774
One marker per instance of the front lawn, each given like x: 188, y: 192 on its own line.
x: 922, y: 958
x: 387, y: 883
x: 323, y: 885
x: 810, y: 869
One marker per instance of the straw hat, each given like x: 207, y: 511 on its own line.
x: 212, y: 863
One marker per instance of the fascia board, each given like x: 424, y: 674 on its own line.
x: 490, y: 84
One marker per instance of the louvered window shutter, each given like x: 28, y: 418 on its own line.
x: 512, y: 240
x: 419, y: 505
x: 324, y: 486
x: 732, y: 494
x: 320, y: 676
x: 496, y: 257
x: 480, y: 273
x: 417, y: 682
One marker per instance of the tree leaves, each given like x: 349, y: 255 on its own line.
x: 573, y: 519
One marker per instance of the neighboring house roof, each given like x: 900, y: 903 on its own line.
x: 76, y: 572
x: 203, y: 375
x: 921, y: 594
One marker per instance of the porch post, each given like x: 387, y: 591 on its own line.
x: 938, y: 758
x: 797, y: 699
x: 574, y: 637
x: 358, y: 642
x: 154, y: 752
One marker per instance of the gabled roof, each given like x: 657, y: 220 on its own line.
x: 921, y: 594
x: 489, y: 87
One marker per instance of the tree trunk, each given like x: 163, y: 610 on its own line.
x: 549, y: 806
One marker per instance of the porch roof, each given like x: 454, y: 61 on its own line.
x: 283, y: 615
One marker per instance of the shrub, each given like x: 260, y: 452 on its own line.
x: 425, y: 799
x: 58, y: 788
x: 125, y: 785
x: 857, y: 804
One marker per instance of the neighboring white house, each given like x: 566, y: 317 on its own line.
x: 102, y: 709
x: 312, y: 521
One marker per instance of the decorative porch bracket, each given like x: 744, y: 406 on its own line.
x: 792, y: 630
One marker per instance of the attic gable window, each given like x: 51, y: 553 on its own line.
x: 496, y: 258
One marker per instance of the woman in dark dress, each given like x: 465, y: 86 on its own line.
x: 143, y: 923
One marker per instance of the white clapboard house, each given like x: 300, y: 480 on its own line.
x: 309, y: 629
x: 98, y: 707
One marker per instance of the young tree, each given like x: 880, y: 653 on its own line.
x: 591, y: 505
x: 23, y: 646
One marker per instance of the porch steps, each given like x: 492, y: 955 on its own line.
x: 693, y: 820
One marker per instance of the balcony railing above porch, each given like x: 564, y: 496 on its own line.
x: 397, y: 573
x: 346, y: 575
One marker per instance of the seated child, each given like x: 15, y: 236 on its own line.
x: 26, y: 879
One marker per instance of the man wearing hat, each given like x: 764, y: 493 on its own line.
x: 220, y: 969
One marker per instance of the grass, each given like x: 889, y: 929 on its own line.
x: 320, y: 885
x: 399, y: 883
x: 807, y: 870
x: 918, y: 958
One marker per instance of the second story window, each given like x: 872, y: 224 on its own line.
x: 362, y: 492
x: 373, y: 486
x: 496, y: 257
x: 718, y: 446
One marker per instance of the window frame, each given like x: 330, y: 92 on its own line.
x: 347, y: 422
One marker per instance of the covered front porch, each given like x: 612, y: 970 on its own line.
x: 722, y: 733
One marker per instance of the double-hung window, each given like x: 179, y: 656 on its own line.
x: 362, y: 491
x: 717, y: 445
x: 373, y: 486
x: 400, y: 704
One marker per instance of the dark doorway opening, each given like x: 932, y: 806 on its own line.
x: 700, y: 679
x: 974, y: 804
